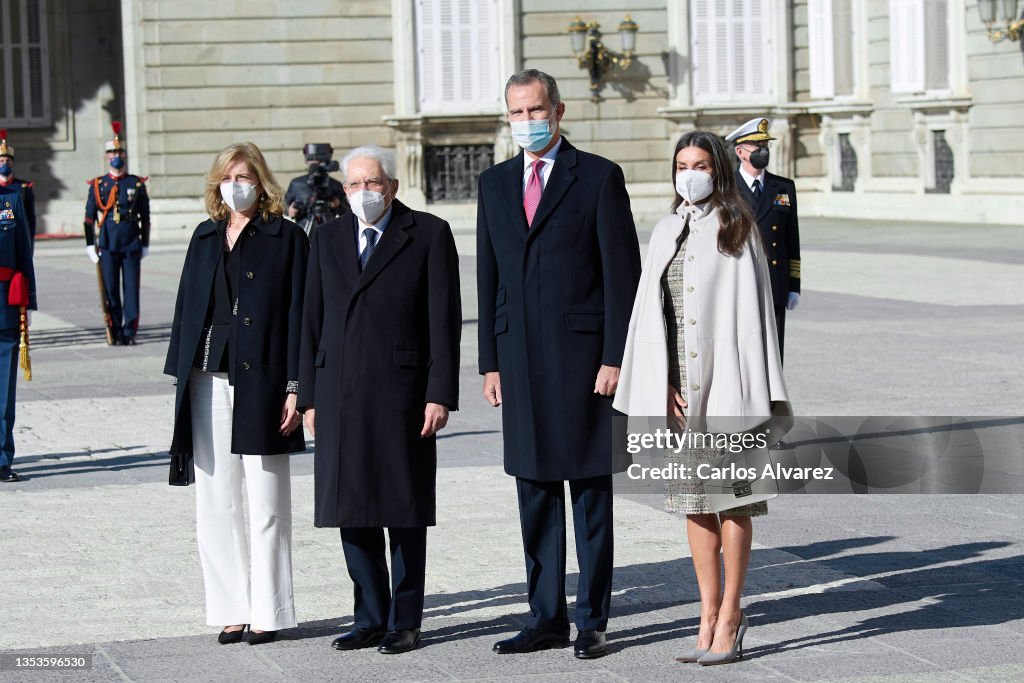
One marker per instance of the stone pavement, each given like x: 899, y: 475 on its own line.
x: 99, y: 554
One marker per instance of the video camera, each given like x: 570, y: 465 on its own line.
x: 321, y: 153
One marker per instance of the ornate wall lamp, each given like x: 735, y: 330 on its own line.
x: 1009, y: 14
x: 595, y: 57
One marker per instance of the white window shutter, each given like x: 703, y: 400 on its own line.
x: 457, y: 55
x: 906, y: 45
x: 936, y: 40
x: 819, y: 46
x: 730, y: 50
x: 843, y: 32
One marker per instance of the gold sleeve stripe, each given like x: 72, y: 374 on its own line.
x: 794, y: 268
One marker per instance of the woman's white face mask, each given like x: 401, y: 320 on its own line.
x: 694, y: 186
x: 238, y: 196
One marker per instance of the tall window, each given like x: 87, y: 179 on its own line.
x: 919, y: 56
x: 830, y: 36
x: 730, y: 44
x: 24, y: 71
x: 457, y: 58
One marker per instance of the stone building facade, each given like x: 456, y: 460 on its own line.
x: 889, y: 109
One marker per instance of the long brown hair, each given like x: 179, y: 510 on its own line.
x: 271, y: 201
x: 734, y: 215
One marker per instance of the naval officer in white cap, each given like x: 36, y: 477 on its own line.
x: 772, y: 200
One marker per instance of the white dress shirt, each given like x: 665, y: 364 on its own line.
x: 378, y: 227
x: 545, y: 170
x: 749, y: 179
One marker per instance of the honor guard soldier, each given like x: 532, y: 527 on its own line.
x: 117, y: 239
x: 17, y: 274
x: 7, y: 180
x: 772, y: 200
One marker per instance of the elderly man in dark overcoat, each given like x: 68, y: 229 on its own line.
x: 379, y: 373
x: 557, y: 268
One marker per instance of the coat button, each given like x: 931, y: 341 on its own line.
x: 696, y: 387
x: 775, y: 227
x: 689, y: 289
x: 247, y: 321
x: 774, y: 244
x: 693, y: 354
x: 246, y: 365
x: 692, y: 321
x: 689, y: 258
x: 252, y: 232
x: 249, y: 275
x: 774, y: 262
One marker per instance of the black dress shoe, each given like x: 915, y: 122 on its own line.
x: 397, y: 642
x: 357, y: 639
x: 262, y: 637
x: 9, y: 475
x: 129, y: 341
x: 531, y: 640
x: 116, y: 341
x: 590, y: 645
x: 229, y: 637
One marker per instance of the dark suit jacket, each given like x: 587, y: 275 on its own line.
x: 378, y: 345
x: 265, y: 353
x: 555, y: 301
x: 780, y: 232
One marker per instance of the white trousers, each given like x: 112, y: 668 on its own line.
x: 235, y: 593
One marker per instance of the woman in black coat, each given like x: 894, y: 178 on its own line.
x: 234, y: 356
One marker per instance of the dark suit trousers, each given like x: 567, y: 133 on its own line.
x: 780, y: 325
x: 375, y: 607
x: 542, y: 516
x: 122, y: 267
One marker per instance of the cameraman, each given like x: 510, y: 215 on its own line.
x: 300, y: 197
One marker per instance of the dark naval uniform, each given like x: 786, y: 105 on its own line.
x: 117, y: 223
x: 775, y: 212
x: 28, y: 200
x: 16, y: 274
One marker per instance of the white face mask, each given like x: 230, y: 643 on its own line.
x: 694, y: 186
x: 238, y: 196
x: 367, y: 205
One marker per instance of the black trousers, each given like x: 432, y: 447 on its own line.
x: 542, y: 516
x: 780, y: 325
x: 122, y: 268
x: 396, y: 603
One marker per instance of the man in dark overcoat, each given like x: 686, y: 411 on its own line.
x: 557, y: 267
x: 379, y: 372
x: 772, y: 200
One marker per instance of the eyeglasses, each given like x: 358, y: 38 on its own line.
x: 375, y: 184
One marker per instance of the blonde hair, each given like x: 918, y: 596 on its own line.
x: 271, y: 200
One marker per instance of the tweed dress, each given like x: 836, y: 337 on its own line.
x: 687, y: 496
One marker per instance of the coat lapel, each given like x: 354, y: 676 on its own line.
x: 213, y: 249
x: 512, y: 183
x: 767, y: 196
x: 342, y: 240
x: 560, y: 180
x: 391, y: 242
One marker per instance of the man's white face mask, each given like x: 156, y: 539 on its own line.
x: 368, y: 205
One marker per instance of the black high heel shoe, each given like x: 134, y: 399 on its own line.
x: 229, y: 637
x: 262, y: 637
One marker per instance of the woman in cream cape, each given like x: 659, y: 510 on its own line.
x: 703, y: 319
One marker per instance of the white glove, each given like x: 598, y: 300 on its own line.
x: 793, y: 301
x: 145, y: 252
x: 91, y: 251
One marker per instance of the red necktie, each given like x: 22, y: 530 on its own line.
x: 534, y: 188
